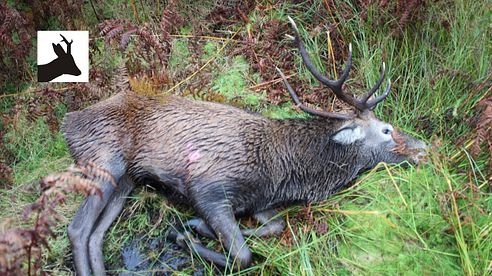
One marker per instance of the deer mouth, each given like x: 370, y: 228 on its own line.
x: 419, y: 157
x: 414, y: 149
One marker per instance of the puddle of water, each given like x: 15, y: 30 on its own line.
x: 132, y: 257
x: 155, y: 256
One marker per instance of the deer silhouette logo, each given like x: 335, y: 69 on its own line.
x: 63, y: 64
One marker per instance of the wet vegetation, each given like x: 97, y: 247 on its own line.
x: 431, y: 219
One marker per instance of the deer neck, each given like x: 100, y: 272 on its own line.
x: 306, y: 165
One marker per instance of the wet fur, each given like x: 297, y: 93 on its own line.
x: 157, y: 138
x: 223, y: 161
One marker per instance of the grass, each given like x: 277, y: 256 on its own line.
x: 413, y: 221
x: 36, y: 152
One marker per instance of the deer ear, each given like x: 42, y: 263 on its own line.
x: 348, y: 135
x: 58, y: 49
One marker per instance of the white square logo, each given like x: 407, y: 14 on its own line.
x: 63, y: 56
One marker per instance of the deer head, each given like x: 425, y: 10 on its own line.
x: 379, y: 140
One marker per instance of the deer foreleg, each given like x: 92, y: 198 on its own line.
x: 269, y: 226
x: 210, y: 201
x: 200, y: 226
x: 187, y: 241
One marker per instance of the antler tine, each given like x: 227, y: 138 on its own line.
x: 334, y: 85
x: 372, y: 104
x: 376, y: 86
x: 69, y: 44
x: 348, y: 65
x: 306, y: 109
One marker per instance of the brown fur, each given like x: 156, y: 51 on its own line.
x: 223, y: 161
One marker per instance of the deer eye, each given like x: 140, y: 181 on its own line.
x: 386, y: 131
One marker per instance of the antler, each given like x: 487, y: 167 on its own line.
x: 306, y: 109
x: 69, y: 44
x: 335, y: 85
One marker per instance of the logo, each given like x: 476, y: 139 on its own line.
x: 63, y: 56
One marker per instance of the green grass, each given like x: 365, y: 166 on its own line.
x: 36, y: 153
x: 411, y: 221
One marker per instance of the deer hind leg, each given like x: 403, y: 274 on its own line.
x: 110, y: 213
x: 81, y: 226
x: 84, y: 220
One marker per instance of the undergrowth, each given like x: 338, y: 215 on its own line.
x: 432, y: 219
